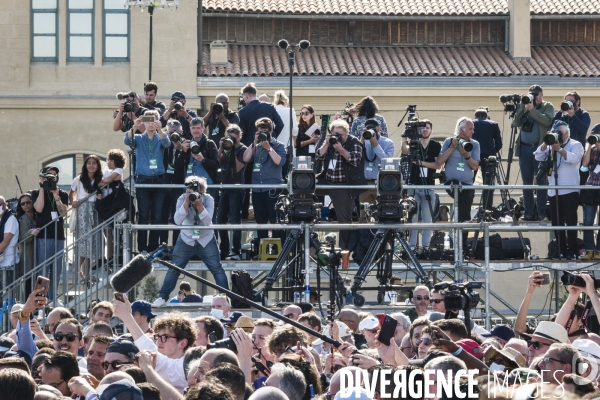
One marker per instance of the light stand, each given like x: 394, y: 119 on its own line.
x: 291, y: 55
x: 171, y: 4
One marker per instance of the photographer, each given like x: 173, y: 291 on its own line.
x: 232, y: 165
x: 252, y: 112
x: 50, y: 204
x: 571, y: 311
x: 422, y: 172
x: 178, y: 111
x: 566, y: 155
x: 366, y: 109
x: 149, y: 101
x: 342, y: 156
x: 174, y: 174
x: 375, y: 147
x: 268, y: 157
x: 487, y: 133
x: 591, y: 198
x: 218, y: 118
x: 460, y: 167
x: 197, y: 210
x: 534, y: 119
x: 149, y: 169
x: 124, y: 120
x: 577, y: 118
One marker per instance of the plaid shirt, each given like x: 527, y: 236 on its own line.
x: 338, y: 174
x: 594, y: 178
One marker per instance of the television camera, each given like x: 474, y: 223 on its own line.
x: 460, y: 297
x: 299, y: 203
x: 412, y: 129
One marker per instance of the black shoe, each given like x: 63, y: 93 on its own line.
x: 556, y: 256
x: 528, y: 218
x: 571, y: 257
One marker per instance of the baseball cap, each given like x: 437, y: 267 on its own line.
x: 368, y: 323
x: 179, y: 95
x: 6, y: 343
x: 344, y: 331
x: 436, y: 316
x: 502, y: 331
x: 143, y: 307
x: 471, y: 347
x: 535, y: 89
x: 16, y: 308
x: 508, y: 353
x: 587, y: 347
x: 430, y: 356
x: 125, y: 347
x: 371, y: 123
x: 47, y: 168
x: 552, y: 331
x: 596, y: 128
x: 115, y: 390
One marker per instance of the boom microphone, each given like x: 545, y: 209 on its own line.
x: 133, y: 273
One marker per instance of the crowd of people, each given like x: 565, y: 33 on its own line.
x: 227, y: 355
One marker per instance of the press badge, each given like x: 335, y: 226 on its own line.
x: 170, y: 169
x: 196, y: 234
x: 370, y: 166
x: 597, y: 169
x: 190, y: 169
x: 332, y: 164
x: 311, y: 148
x: 54, y: 215
x: 424, y: 172
x: 153, y: 163
x: 460, y: 166
x: 257, y: 166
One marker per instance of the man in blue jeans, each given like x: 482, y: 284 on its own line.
x: 194, y: 242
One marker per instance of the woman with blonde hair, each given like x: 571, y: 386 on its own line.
x: 281, y: 104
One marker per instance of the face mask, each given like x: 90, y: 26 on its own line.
x: 218, y: 314
x: 348, y: 287
x: 496, y: 367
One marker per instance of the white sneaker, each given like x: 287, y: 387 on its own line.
x: 159, y: 302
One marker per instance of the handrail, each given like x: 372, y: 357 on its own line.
x: 339, y: 186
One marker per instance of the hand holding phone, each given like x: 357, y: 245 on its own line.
x: 388, y: 329
x: 42, y: 283
x: 119, y: 296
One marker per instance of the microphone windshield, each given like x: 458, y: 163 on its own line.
x: 304, y: 44
x: 131, y: 274
x: 283, y: 44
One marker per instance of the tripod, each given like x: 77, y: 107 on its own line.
x: 292, y: 265
x: 380, y: 255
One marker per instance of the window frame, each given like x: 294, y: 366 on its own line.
x: 106, y: 11
x: 33, y: 35
x: 69, y: 34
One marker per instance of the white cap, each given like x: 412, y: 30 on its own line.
x: 587, y: 347
x: 368, y: 323
x: 344, y: 331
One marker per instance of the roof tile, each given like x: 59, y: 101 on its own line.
x: 565, y: 7
x: 262, y: 60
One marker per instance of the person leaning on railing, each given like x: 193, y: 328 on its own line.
x: 591, y: 198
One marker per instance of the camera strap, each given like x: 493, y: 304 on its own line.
x: 585, y: 314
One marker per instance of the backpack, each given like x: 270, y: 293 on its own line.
x: 241, y: 283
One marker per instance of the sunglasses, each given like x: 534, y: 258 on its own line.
x: 374, y: 330
x: 163, y: 338
x: 546, y: 360
x: 115, y: 364
x: 56, y: 385
x: 425, y: 341
x: 436, y: 301
x: 289, y: 315
x: 25, y: 203
x: 234, y: 131
x: 71, y: 337
x: 305, y: 113
x: 419, y: 298
x: 537, y: 345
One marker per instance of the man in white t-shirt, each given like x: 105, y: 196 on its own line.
x: 9, y: 255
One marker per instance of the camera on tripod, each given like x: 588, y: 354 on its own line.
x: 412, y: 129
x: 299, y: 204
x: 569, y: 279
x: 510, y: 102
x: 460, y: 296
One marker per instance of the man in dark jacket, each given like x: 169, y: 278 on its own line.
x: 343, y: 164
x: 487, y: 133
x: 252, y: 112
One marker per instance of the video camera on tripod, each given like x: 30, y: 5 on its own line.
x: 346, y: 115
x: 389, y: 205
x: 299, y: 203
x: 412, y: 129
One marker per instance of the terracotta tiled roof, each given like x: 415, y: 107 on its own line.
x: 565, y: 7
x: 249, y: 60
x: 362, y: 7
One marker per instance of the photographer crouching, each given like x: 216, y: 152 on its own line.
x: 564, y: 157
x: 461, y: 156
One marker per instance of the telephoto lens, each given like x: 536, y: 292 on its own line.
x: 528, y: 98
x: 468, y: 146
x: 128, y: 106
x: 593, y: 139
x: 217, y: 108
x: 227, y: 144
x: 566, y: 105
x: 551, y: 138
x: 194, y: 196
x: 334, y: 139
x: 223, y: 344
x: 178, y: 105
x: 368, y: 134
x: 175, y: 137
x: 194, y: 147
x: 262, y: 136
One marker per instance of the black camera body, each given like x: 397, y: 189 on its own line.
x: 334, y: 139
x: 195, y: 147
x: 553, y: 137
x: 227, y: 343
x: 241, y: 102
x: 263, y: 136
x: 527, y: 122
x: 175, y: 137
x: 412, y: 129
x: 346, y: 116
x: 50, y: 183
x: 460, y: 296
x: 569, y: 279
x: 178, y: 105
x: 528, y: 98
x: 593, y: 138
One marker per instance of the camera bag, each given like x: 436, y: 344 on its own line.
x: 513, y: 248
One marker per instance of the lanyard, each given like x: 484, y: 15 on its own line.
x: 372, y: 152
x: 196, y: 218
x: 51, y: 198
x: 425, y: 153
x: 151, y: 146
